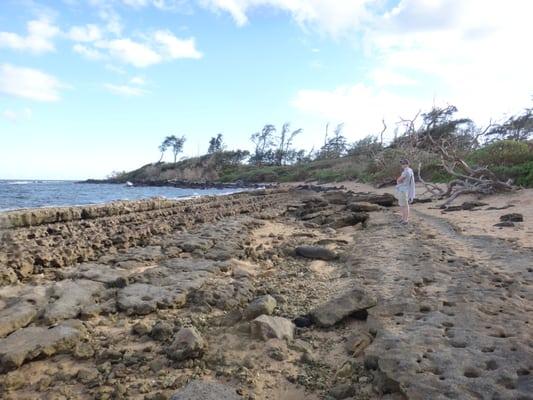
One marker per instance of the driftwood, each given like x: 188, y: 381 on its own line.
x: 468, y: 180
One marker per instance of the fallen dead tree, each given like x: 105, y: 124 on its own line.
x: 467, y: 179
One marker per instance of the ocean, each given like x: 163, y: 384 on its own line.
x: 18, y: 194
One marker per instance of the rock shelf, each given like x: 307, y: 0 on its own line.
x: 274, y: 294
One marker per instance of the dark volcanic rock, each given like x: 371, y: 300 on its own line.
x: 316, y: 253
x: 514, y: 217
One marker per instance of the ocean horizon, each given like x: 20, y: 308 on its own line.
x: 16, y: 194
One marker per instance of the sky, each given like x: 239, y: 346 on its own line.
x: 88, y: 87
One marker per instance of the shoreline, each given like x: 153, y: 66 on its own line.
x: 183, y: 184
x: 288, y: 293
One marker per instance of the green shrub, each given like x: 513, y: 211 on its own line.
x: 521, y: 174
x: 502, y: 153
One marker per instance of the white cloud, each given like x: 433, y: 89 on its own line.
x: 17, y: 115
x: 87, y: 33
x: 29, y: 83
x: 331, y: 17
x: 87, y: 52
x: 137, y: 80
x: 156, y: 48
x: 360, y: 107
x: 174, y: 48
x: 39, y: 38
x: 124, y: 90
x: 470, y: 53
x: 131, y: 52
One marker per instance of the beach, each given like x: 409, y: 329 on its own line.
x: 301, y: 292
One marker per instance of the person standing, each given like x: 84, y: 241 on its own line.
x: 405, y: 190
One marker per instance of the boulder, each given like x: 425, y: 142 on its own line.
x: 335, y: 310
x: 316, y: 253
x: 204, y: 390
x: 187, y: 344
x: 266, y: 327
x: 262, y: 305
x: 514, y: 217
x: 29, y: 343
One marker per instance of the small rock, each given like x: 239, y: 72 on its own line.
x: 162, y: 331
x: 342, y: 391
x: 142, y: 328
x: 303, y: 321
x: 262, y: 305
x: 514, y: 217
x: 328, y: 314
x: 266, y: 327
x: 316, y: 253
x: 187, y: 344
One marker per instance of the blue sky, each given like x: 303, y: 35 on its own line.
x: 92, y: 86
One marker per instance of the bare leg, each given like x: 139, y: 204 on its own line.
x: 405, y: 213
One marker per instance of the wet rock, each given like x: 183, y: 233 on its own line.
x: 266, y: 327
x: 205, y: 390
x: 335, y: 310
x: 142, y: 299
x: 187, y: 344
x: 262, y: 305
x: 29, y: 343
x: 316, y: 253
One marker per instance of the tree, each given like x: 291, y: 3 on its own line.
x: 335, y: 146
x: 216, y: 144
x: 263, y: 141
x: 163, y: 147
x: 517, y: 127
x: 176, y: 144
x: 284, y: 153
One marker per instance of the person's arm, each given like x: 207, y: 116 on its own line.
x: 401, y: 178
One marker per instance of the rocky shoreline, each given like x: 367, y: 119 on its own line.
x: 272, y: 294
x: 187, y: 184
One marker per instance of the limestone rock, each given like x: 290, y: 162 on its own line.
x: 29, y: 343
x: 337, y: 309
x: 266, y: 327
x: 204, y: 390
x: 187, y: 344
x: 316, y: 253
x: 262, y: 305
x: 142, y: 299
x: 71, y: 298
x: 21, y: 308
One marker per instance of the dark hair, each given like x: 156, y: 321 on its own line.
x: 404, y: 161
